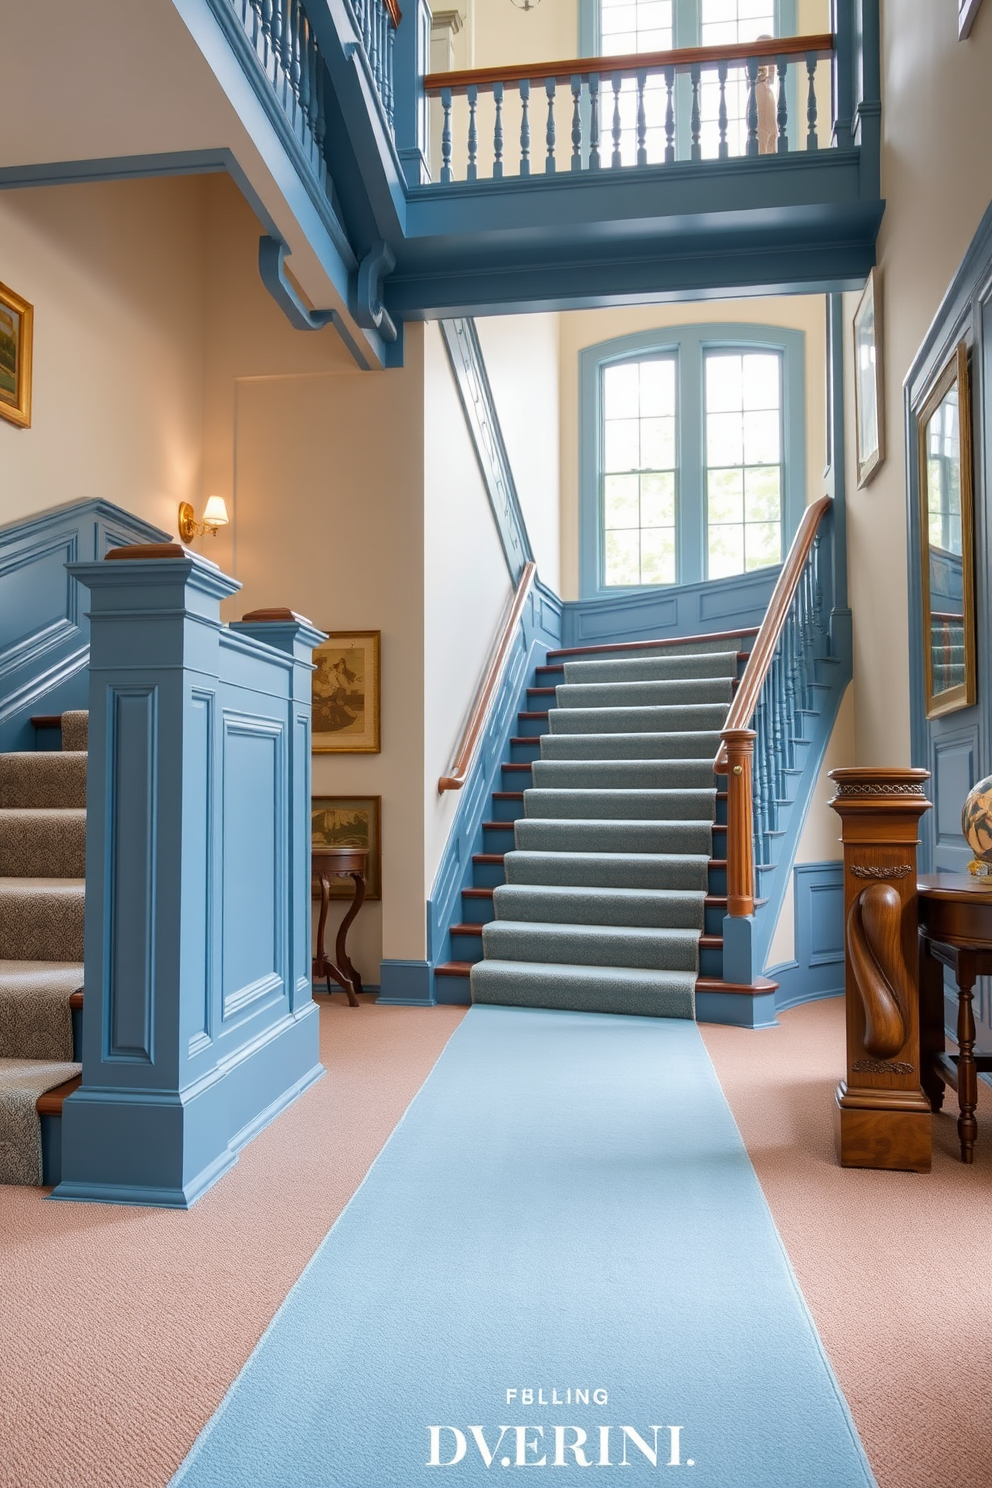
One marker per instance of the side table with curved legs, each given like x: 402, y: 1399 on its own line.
x: 339, y: 862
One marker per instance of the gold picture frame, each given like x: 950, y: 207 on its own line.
x: 349, y: 821
x: 869, y: 408
x: 347, y: 693
x: 947, y: 563
x: 16, y: 348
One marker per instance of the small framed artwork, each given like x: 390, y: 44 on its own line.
x: 868, y: 408
x: 346, y: 693
x: 16, y: 336
x: 349, y: 821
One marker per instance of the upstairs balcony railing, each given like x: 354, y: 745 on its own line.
x: 285, y: 43
x: 754, y: 98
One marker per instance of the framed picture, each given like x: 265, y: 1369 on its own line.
x: 868, y: 409
x: 346, y: 693
x: 349, y: 821
x: 16, y: 335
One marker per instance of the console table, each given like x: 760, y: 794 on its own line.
x: 339, y: 862
x: 955, y: 917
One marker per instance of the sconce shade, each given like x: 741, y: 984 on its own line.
x: 215, y: 512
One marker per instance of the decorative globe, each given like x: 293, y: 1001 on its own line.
x: 976, y: 824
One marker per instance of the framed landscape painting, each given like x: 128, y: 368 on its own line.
x: 16, y: 334
x: 346, y: 693
x: 348, y: 821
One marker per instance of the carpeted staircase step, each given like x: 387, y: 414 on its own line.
x: 41, y: 919
x: 40, y: 780
x: 678, y: 692
x: 678, y: 645
x: 692, y: 744
x: 652, y: 668
x: 538, y: 834
x: 625, y: 804
x: 696, y: 717
x: 38, y: 842
x: 680, y: 872
x: 36, y: 1009
x: 636, y: 774
x: 592, y: 945
x: 659, y: 909
x: 22, y: 1083
x: 75, y: 730
x: 584, y: 988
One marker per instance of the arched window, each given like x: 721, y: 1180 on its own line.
x: 693, y: 454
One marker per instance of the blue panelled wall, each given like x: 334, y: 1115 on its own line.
x: 199, y: 1023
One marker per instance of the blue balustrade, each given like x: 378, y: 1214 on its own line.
x: 739, y: 102
x: 198, y: 1022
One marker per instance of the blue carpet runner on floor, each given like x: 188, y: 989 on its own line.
x: 562, y: 1260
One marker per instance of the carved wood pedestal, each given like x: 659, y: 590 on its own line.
x: 883, y: 1115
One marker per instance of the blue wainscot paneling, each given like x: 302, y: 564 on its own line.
x: 44, y: 631
x: 663, y: 613
x: 818, y: 968
x: 199, y: 1024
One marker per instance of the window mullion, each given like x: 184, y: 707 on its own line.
x: 691, y: 527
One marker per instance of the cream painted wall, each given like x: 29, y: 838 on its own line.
x: 466, y: 588
x: 937, y: 183
x: 581, y: 328
x: 522, y: 360
x: 114, y: 272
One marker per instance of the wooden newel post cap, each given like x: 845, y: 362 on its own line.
x: 878, y: 785
x: 151, y: 550
x: 276, y: 616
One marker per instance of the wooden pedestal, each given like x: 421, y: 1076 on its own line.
x: 883, y: 1114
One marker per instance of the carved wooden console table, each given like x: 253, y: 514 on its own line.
x: 883, y: 1114
x: 339, y: 862
x: 955, y: 931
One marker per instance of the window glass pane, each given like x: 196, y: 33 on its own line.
x: 635, y: 26
x: 639, y: 472
x: 622, y: 550
x: 743, y: 417
x: 620, y: 503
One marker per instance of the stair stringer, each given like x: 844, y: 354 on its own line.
x: 747, y: 940
x: 538, y: 632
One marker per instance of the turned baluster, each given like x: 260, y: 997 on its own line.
x: 812, y: 142
x: 642, y: 120
x: 594, y: 160
x: 617, y: 159
x: 723, y: 149
x: 524, y: 127
x: 753, y: 66
x: 498, y: 133
x: 695, y: 148
x: 783, y: 107
x: 472, y: 171
x: 576, y: 123
x: 446, y: 137
x: 549, y: 137
x: 669, y: 115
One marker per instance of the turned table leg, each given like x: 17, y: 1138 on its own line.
x: 967, y: 1069
x: 340, y: 945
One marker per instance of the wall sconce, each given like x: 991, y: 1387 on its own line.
x: 214, y: 516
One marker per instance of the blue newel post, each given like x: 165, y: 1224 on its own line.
x: 198, y: 1021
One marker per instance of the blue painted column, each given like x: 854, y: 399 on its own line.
x: 411, y: 116
x: 195, y: 1029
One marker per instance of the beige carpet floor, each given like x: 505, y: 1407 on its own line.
x: 121, y: 1329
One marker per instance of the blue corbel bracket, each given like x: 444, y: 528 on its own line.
x: 271, y: 266
x: 370, y: 312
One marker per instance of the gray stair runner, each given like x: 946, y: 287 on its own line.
x: 42, y: 888
x: 603, y: 904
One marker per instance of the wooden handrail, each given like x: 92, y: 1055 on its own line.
x: 395, y: 14
x: 737, y: 736
x: 760, y: 659
x: 486, y: 695
x: 631, y: 63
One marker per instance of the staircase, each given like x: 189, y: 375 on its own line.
x: 42, y: 892
x: 602, y: 881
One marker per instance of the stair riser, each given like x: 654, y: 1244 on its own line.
x: 525, y: 752
x: 515, y: 779
x: 466, y: 948
x: 532, y: 728
x: 506, y: 811
x: 717, y: 882
x: 497, y: 840
x: 487, y: 876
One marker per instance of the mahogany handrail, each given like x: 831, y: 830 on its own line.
x: 736, y: 752
x: 631, y: 63
x: 486, y: 695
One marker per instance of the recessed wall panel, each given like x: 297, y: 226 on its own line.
x: 131, y: 833
x: 254, y: 838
